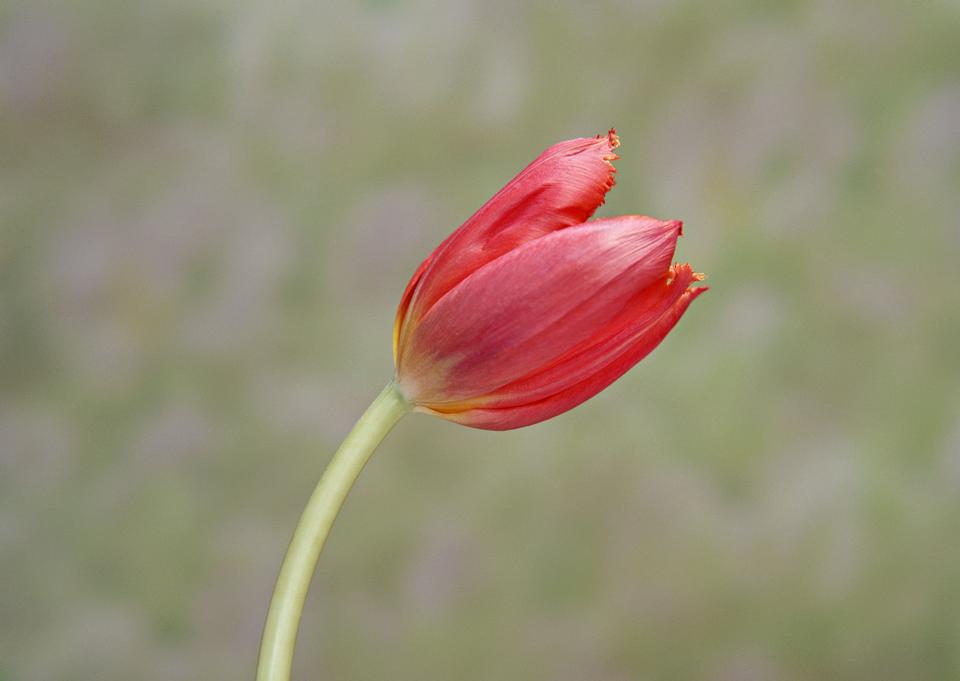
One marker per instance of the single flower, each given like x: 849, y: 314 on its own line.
x: 524, y: 312
x: 529, y: 309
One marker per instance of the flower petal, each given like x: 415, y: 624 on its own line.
x: 526, y: 310
x: 404, y: 306
x: 646, y: 310
x: 562, y: 187
x: 596, y: 369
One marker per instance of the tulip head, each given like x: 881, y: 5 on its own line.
x: 528, y: 309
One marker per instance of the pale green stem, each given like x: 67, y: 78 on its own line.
x: 286, y: 606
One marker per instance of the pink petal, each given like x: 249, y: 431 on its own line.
x: 562, y: 187
x: 645, y: 311
x: 526, y: 310
x: 595, y: 370
x: 402, y: 309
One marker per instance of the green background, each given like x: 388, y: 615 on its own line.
x: 209, y: 211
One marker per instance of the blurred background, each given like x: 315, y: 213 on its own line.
x: 209, y: 211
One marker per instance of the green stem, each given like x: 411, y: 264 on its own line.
x: 286, y: 606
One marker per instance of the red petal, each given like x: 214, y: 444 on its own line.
x: 401, y: 317
x: 645, y: 311
x: 562, y: 187
x: 596, y: 369
x: 526, y: 310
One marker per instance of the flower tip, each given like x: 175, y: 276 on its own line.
x: 612, y: 139
x: 684, y: 271
x: 611, y: 142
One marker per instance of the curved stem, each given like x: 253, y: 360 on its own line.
x: 286, y: 606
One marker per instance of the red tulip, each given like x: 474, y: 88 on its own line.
x: 524, y: 312
x: 527, y: 309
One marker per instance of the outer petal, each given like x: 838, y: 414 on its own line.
x: 562, y: 187
x: 595, y: 369
x: 528, y: 309
x: 401, y: 317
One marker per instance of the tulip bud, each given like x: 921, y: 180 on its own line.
x: 528, y: 309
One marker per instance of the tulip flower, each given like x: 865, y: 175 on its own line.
x: 527, y: 310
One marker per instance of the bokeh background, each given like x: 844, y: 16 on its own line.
x: 209, y: 210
